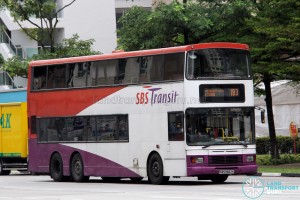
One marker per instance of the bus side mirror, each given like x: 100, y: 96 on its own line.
x: 262, y: 116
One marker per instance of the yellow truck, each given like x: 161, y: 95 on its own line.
x: 13, y: 131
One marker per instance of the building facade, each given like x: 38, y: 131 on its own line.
x: 90, y: 19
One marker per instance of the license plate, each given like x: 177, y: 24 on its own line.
x: 227, y: 171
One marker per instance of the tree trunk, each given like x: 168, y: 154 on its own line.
x: 271, y: 124
x: 185, y: 31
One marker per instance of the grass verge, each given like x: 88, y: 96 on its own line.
x: 288, y: 163
x: 278, y: 169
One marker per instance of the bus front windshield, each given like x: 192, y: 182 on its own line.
x: 214, y: 126
x: 218, y: 64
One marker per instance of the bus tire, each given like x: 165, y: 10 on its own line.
x: 3, y: 172
x: 56, y: 168
x: 155, y: 170
x: 77, y: 169
x: 221, y: 178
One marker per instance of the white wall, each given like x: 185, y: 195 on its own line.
x: 92, y: 19
x: 286, y: 109
x: 20, y: 38
x: 283, y: 116
x: 130, y: 3
x: 5, y: 51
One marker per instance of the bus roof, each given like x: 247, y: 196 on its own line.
x: 139, y: 53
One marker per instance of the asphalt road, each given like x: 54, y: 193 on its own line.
x: 28, y: 187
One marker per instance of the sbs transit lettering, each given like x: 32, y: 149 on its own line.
x: 154, y: 97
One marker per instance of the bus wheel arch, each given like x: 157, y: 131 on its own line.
x: 155, y: 169
x: 77, y: 168
x: 56, y: 167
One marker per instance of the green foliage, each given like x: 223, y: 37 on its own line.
x: 75, y: 47
x: 1, y: 60
x: 275, y: 32
x: 15, y: 66
x: 285, y: 145
x: 262, y: 145
x: 71, y: 47
x: 45, y: 11
x: 176, y: 23
x: 284, y: 159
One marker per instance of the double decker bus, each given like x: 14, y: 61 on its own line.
x: 160, y: 113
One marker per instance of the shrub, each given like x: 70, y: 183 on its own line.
x: 285, y: 145
x: 284, y: 159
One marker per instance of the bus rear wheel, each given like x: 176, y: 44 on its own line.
x: 221, y: 178
x: 155, y: 170
x: 77, y: 169
x: 56, y: 168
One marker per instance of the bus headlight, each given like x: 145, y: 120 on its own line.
x: 250, y: 158
x: 197, y: 160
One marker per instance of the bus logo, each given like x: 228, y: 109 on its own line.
x: 155, y: 96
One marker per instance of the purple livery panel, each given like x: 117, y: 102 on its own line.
x: 95, y: 165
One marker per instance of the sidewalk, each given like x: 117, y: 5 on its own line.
x: 266, y: 174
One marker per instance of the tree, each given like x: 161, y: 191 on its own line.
x: 180, y: 23
x: 271, y: 27
x: 68, y: 48
x: 274, y: 36
x: 45, y: 11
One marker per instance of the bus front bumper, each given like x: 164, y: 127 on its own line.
x: 230, y: 170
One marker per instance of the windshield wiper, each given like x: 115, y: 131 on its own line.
x: 245, y: 145
x: 238, y: 142
x: 208, y: 145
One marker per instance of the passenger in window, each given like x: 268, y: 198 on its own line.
x: 179, y: 128
x: 201, y: 130
x: 107, y: 128
x: 172, y: 127
x: 123, y: 134
x: 40, y: 82
x: 77, y: 124
x: 190, y: 130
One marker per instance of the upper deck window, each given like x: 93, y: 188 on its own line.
x: 218, y: 64
x: 131, y: 70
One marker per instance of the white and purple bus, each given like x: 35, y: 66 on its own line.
x: 179, y: 111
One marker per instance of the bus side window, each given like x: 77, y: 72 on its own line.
x: 175, y: 126
x: 145, y: 65
x: 132, y: 70
x: 80, y: 74
x: 174, y: 65
x: 156, y: 68
x: 39, y: 78
x: 56, y: 76
x: 106, y: 71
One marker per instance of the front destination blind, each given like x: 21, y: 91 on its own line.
x: 227, y: 93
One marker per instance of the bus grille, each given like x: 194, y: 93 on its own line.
x: 225, y: 160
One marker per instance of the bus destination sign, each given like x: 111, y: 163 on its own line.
x: 216, y: 93
x: 219, y: 92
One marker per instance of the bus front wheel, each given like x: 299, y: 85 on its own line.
x: 56, y: 168
x: 155, y: 170
x: 77, y: 169
x: 221, y: 178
